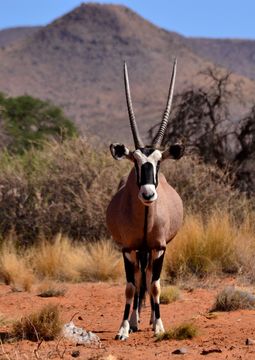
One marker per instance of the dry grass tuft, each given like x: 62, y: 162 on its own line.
x: 65, y: 261
x: 3, y: 320
x: 230, y: 299
x: 42, y: 325
x: 13, y: 268
x: 169, y: 294
x: 102, y: 262
x: 181, y: 332
x: 59, y: 260
x: 214, y: 246
x: 50, y: 289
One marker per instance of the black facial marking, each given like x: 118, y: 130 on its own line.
x: 157, y: 267
x: 147, y: 151
x: 137, y: 173
x: 147, y: 175
x: 157, y: 170
x: 147, y: 170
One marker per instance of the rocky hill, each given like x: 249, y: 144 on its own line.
x: 13, y: 35
x: 235, y: 55
x: 77, y: 62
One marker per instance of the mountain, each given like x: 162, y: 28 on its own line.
x: 235, y: 55
x: 77, y: 62
x: 13, y: 35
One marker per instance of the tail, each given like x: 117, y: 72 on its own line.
x: 143, y: 259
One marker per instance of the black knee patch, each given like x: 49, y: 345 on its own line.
x: 157, y: 312
x: 126, y: 312
x: 129, y: 270
x: 152, y: 304
x: 157, y: 267
x: 135, y: 303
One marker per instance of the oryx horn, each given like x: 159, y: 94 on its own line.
x: 137, y: 140
x: 159, y: 137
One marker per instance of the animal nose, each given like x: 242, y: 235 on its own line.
x: 147, y: 196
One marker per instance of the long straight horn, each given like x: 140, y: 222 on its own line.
x: 137, y: 140
x: 158, y: 139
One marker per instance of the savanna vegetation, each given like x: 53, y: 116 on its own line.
x: 209, y: 121
x: 52, y: 218
x: 53, y: 197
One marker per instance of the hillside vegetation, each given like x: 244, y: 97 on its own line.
x: 65, y: 187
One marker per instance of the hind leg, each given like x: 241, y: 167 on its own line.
x: 135, y: 316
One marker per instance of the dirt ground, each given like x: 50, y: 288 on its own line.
x: 98, y: 307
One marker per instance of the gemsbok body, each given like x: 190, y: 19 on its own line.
x: 143, y: 216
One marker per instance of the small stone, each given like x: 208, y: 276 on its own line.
x: 80, y: 318
x: 210, y: 351
x: 180, y: 351
x: 75, y: 353
x: 249, y: 342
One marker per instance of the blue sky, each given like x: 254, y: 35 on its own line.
x: 211, y: 18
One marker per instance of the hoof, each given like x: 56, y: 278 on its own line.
x: 134, y: 321
x: 133, y: 329
x: 123, y: 331
x: 158, y: 327
x: 121, y: 337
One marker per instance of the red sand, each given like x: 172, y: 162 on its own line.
x: 99, y: 307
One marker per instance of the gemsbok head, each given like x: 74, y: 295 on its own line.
x: 144, y: 215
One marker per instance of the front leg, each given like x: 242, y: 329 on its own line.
x: 130, y: 262
x: 156, y: 263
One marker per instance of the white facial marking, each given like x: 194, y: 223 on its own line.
x: 147, y: 190
x: 153, y: 158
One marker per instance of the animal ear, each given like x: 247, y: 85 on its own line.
x: 120, y: 151
x: 175, y: 151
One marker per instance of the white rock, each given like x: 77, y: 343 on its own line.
x: 79, y: 335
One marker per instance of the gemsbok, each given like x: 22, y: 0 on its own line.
x: 144, y: 215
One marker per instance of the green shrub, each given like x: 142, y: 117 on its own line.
x: 30, y: 122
